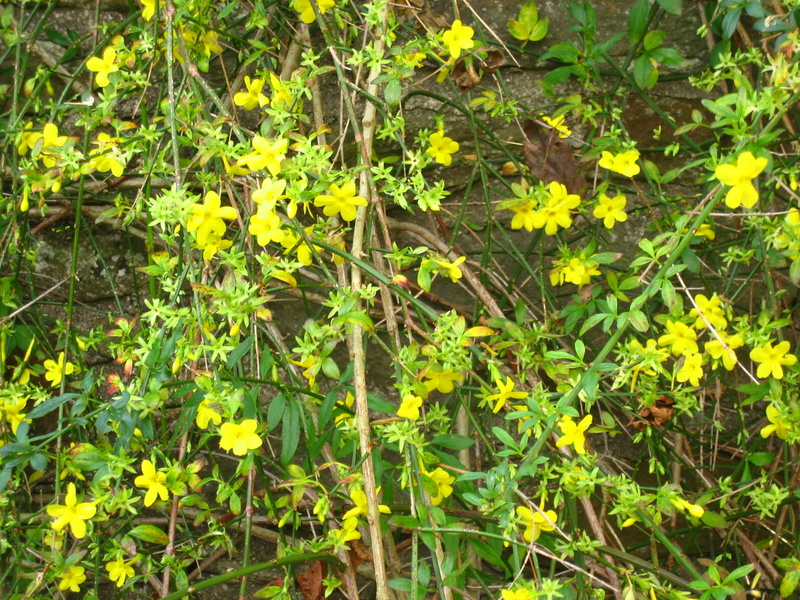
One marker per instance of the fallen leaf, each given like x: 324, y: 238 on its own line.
x: 550, y: 158
x: 658, y: 414
x: 359, y: 553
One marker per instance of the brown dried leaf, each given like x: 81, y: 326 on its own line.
x: 465, y: 77
x: 310, y: 582
x: 359, y: 553
x: 493, y: 61
x: 550, y: 158
x: 658, y: 414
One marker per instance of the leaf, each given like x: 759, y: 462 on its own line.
x: 673, y: 7
x: 642, y: 70
x: 57, y: 38
x: 504, y: 436
x: 654, y: 39
x: 712, y: 519
x: 551, y: 159
x: 637, y: 21
x: 392, y: 93
x: 50, y: 405
x: 275, y: 411
x: 240, y: 350
x: 528, y: 27
x: 761, y: 459
x: 453, y: 442
x: 150, y: 534
x: 290, y: 433
x: 730, y: 21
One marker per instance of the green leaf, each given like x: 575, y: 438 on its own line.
x: 393, y: 92
x: 642, y: 70
x: 528, y: 27
x: 730, y: 22
x: 639, y: 321
x: 637, y: 21
x: 275, y: 411
x: 505, y: 437
x: 673, y: 7
x: 240, y: 350
x: 57, y: 38
x: 539, y: 30
x: 290, y: 433
x: 653, y: 39
x: 50, y: 405
x: 712, y: 519
x: 401, y: 585
x: 453, y: 442
x: 150, y: 534
x: 761, y: 459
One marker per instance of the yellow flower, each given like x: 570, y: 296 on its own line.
x: 706, y: 230
x: 680, y: 338
x: 154, y: 482
x: 359, y: 498
x: 611, y: 210
x: 444, y: 484
x: 458, y: 38
x: 578, y: 270
x: 103, y: 66
x: 150, y: 8
x: 108, y: 157
x: 266, y: 225
x: 253, y: 96
x: 409, y: 408
x: 270, y: 191
x: 574, y: 433
x: 711, y: 309
x: 524, y: 215
x: 50, y: 139
x: 206, y: 412
x: 71, y: 578
x: 207, y: 219
x: 14, y: 415
x: 740, y: 178
x: 451, y: 269
x: 345, y: 416
x: 780, y: 427
x: 442, y: 148
x: 239, y: 438
x: 555, y: 213
x: 342, y: 201
x: 682, y: 505
x: 536, y: 522
x: 505, y: 392
x: 56, y: 370
x: 119, y: 570
x: 691, y: 370
x: 517, y: 594
x: 281, y: 96
x: 265, y: 155
x: 772, y: 360
x: 558, y: 124
x: 306, y: 10
x: 442, y: 380
x: 348, y: 532
x: 624, y: 164
x: 717, y: 351
x: 72, y: 514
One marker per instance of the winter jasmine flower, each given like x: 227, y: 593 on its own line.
x: 409, y: 408
x: 55, y: 371
x: 441, y: 381
x: 524, y: 215
x: 342, y: 201
x: 119, y: 570
x: 71, y: 578
x: 103, y: 66
x: 253, y: 96
x: 711, y: 309
x: 72, y: 514
x: 691, y: 370
x: 777, y: 425
x: 772, y: 360
x: 574, y: 433
x: 442, y: 148
x: 682, y: 505
x: 680, y: 338
x: 716, y: 350
x: 306, y: 10
x: 266, y: 225
x: 458, y: 38
x: 444, y: 484
x: 536, y: 522
x: 206, y: 412
x: 239, y: 438
x: 558, y: 124
x: 209, y: 218
x: 611, y: 210
x: 624, y: 163
x: 265, y: 155
x: 154, y: 482
x: 740, y: 177
x: 359, y: 498
x: 505, y: 392
x: 451, y: 269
